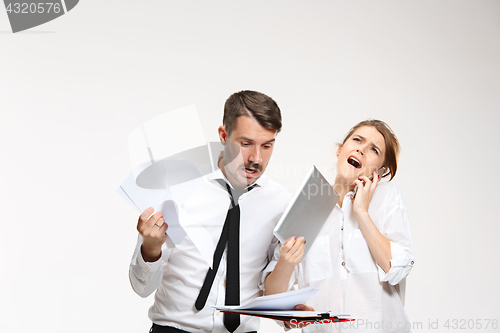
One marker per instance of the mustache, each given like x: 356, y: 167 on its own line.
x: 254, y: 166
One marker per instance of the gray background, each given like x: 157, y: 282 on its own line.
x: 73, y: 89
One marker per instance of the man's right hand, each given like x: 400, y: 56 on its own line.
x: 153, y: 232
x: 299, y: 307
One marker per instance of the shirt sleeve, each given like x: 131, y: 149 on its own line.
x: 397, y: 229
x: 269, y: 268
x: 274, y: 250
x: 145, y: 277
x: 272, y: 264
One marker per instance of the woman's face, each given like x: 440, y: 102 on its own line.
x: 361, y: 154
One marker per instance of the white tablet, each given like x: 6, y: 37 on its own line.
x: 308, y: 211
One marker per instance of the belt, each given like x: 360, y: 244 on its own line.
x: 169, y: 329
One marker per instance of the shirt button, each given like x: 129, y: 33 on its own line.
x: 224, y: 283
x: 412, y: 262
x: 217, y: 313
x: 342, y: 247
x: 144, y: 281
x: 341, y: 228
x: 146, y: 268
x: 343, y: 263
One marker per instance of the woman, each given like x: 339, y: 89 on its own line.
x: 364, y: 252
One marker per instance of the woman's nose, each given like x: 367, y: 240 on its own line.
x: 360, y: 151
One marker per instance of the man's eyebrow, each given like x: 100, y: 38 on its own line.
x: 251, y: 140
x: 242, y: 138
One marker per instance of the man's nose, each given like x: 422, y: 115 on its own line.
x: 256, y: 155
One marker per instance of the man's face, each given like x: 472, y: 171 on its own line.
x: 247, y: 150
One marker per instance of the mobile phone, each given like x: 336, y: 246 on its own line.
x: 380, y: 172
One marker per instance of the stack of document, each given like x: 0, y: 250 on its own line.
x: 281, y: 307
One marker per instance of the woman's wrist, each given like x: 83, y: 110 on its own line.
x: 277, y: 281
x: 361, y: 214
x: 285, y: 266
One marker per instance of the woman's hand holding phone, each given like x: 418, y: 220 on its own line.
x: 380, y: 246
x: 365, y: 188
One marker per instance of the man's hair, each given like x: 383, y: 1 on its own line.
x: 253, y: 104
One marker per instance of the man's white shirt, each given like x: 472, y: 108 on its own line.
x: 178, y: 275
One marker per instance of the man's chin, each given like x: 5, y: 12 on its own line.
x: 248, y: 182
x: 251, y: 182
x: 245, y: 182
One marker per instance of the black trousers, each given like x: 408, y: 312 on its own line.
x: 169, y: 329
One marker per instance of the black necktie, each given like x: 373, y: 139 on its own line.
x: 231, y: 235
x: 232, y: 321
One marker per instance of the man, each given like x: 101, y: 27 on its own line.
x: 236, y: 203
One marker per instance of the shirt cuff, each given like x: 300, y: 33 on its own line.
x: 282, y: 324
x: 401, y: 264
x: 148, y: 267
x: 265, y: 273
x: 270, y: 267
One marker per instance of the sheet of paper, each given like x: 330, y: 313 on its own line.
x: 167, y: 150
x: 279, y: 302
x: 289, y: 313
x: 161, y: 201
x: 281, y: 307
x: 165, y: 135
x: 170, y: 157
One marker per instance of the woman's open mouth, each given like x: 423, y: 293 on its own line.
x: 354, y: 162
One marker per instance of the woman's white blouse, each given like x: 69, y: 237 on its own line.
x: 350, y: 280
